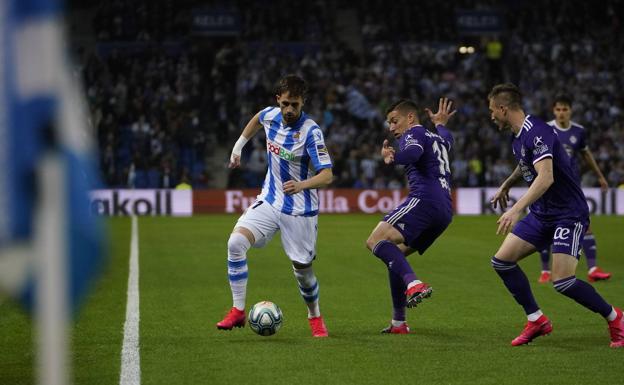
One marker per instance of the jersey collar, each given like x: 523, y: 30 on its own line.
x: 299, y: 122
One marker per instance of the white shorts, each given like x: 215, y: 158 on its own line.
x: 298, y: 232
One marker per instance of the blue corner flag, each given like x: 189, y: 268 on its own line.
x: 48, y: 161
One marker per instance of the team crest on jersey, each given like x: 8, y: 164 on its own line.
x: 297, y: 135
x: 573, y: 139
x: 522, y: 152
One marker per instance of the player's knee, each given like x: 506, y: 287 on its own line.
x: 301, y: 266
x: 371, y: 242
x: 238, y: 244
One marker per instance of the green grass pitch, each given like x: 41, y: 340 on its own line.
x: 461, y: 335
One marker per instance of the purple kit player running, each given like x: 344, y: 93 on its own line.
x: 426, y: 212
x: 558, y: 216
x: 572, y: 137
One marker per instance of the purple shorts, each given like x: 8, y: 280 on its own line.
x: 565, y: 236
x: 420, y: 221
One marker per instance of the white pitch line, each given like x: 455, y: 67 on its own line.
x: 130, y: 357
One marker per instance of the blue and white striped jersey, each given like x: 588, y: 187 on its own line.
x: 294, y: 152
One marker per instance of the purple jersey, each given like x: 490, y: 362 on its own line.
x: 425, y: 157
x: 573, y: 140
x: 564, y: 199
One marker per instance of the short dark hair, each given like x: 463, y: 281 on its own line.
x: 403, y: 106
x: 507, y: 94
x: 292, y: 84
x: 562, y: 99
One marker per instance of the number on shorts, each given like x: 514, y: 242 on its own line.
x: 256, y: 204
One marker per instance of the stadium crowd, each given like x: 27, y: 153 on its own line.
x: 162, y: 106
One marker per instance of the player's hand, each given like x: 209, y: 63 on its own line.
x: 292, y: 187
x: 500, y: 198
x: 444, y: 112
x: 387, y: 152
x: 604, y: 185
x: 507, y: 221
x: 234, y: 161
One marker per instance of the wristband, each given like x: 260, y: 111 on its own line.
x: 238, y: 146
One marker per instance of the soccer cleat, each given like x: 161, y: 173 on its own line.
x: 417, y: 293
x: 616, y: 329
x: 532, y: 330
x: 403, y: 329
x: 318, y: 327
x: 596, y: 274
x: 234, y: 319
x: 544, y: 277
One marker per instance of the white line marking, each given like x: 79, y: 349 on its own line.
x: 130, y: 358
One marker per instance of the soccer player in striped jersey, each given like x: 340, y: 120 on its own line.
x: 298, y: 164
x: 558, y: 216
x: 416, y: 223
x: 572, y: 137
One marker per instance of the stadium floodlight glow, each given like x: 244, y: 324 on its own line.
x: 466, y: 49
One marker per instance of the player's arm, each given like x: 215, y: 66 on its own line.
x: 589, y: 158
x: 543, y: 181
x: 410, y: 147
x: 322, y: 179
x: 252, y: 127
x: 410, y: 154
x: 502, y: 195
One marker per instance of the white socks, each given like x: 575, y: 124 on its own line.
x: 309, y: 289
x: 413, y: 283
x: 238, y: 244
x: 534, y: 316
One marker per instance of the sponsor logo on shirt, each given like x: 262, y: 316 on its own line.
x: 279, y: 151
x: 539, y: 146
x: 410, y: 141
x: 526, y: 171
x: 322, y: 150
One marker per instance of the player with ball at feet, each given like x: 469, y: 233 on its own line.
x: 298, y: 164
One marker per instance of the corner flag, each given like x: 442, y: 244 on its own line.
x: 50, y: 244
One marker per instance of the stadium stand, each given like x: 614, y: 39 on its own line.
x: 169, y: 93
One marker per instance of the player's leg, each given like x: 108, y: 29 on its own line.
x: 545, y: 274
x: 299, y: 241
x: 383, y: 243
x: 594, y: 272
x: 520, y: 243
x: 566, y: 252
x: 398, y: 323
x: 255, y: 227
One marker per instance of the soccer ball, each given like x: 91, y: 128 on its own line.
x: 265, y: 318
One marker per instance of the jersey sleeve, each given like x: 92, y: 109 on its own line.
x: 316, y: 149
x: 411, y: 147
x: 262, y: 117
x: 583, y: 140
x: 540, y: 141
